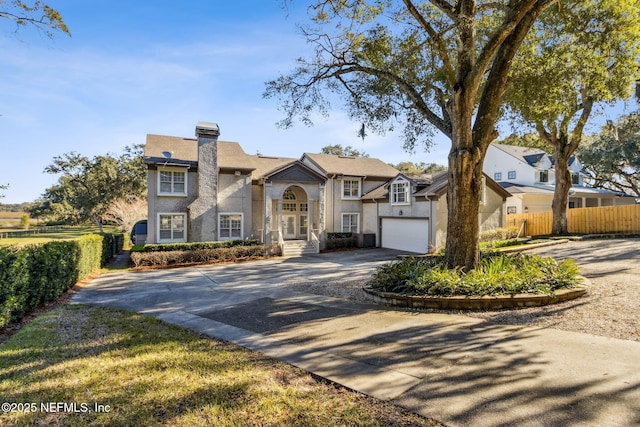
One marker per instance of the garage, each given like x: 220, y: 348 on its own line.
x: 405, y: 234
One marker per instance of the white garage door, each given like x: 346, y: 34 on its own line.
x: 405, y: 234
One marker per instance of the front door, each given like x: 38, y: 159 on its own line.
x: 289, y: 226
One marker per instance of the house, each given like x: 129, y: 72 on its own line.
x: 529, y: 175
x: 204, y: 189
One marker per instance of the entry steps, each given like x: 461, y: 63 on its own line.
x: 298, y: 248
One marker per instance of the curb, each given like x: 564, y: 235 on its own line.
x: 476, y: 302
x: 527, y: 247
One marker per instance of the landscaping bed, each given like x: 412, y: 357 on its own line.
x: 500, y: 281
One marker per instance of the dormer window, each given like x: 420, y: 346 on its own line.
x: 544, y: 176
x: 400, y: 192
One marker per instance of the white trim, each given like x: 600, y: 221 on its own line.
x: 184, y: 231
x: 357, y: 214
x: 483, y: 190
x: 230, y: 237
x: 185, y: 171
x: 357, y: 196
x: 393, y: 193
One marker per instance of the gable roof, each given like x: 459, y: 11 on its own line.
x: 295, y: 171
x: 434, y: 185
x: 528, y: 155
x: 330, y: 164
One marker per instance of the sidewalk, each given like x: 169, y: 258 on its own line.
x: 458, y: 370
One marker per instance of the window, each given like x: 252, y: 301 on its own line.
x: 511, y: 175
x: 230, y: 226
x: 575, y: 179
x: 289, y: 195
x: 350, y: 222
x: 350, y: 188
x: 172, y: 182
x: 544, y: 176
x: 304, y: 207
x: 400, y: 193
x: 289, y: 207
x: 511, y: 210
x: 497, y: 176
x: 172, y: 228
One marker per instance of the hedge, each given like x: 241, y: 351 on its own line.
x: 33, y: 275
x: 341, y: 240
x: 193, y: 256
x: 190, y: 246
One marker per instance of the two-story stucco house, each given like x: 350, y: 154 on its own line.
x: 529, y: 175
x: 204, y: 189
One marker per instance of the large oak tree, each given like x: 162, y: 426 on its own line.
x: 581, y: 53
x: 423, y: 65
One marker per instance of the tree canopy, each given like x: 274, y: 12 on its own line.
x: 612, y: 159
x: 422, y: 66
x: 37, y: 14
x: 86, y: 187
x: 582, y: 52
x: 419, y: 168
x: 339, y: 150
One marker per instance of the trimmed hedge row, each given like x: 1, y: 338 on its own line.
x: 33, y: 275
x: 206, y: 255
x: 190, y: 246
x: 341, y: 240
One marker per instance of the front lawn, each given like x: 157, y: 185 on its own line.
x: 99, y: 366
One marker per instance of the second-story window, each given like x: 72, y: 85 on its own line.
x: 172, y: 182
x: 400, y: 193
x: 544, y: 176
x: 511, y: 175
x: 350, y: 188
x: 497, y: 176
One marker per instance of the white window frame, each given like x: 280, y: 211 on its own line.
x: 173, y: 171
x: 357, y: 224
x: 351, y: 196
x: 546, y: 174
x: 172, y: 239
x: 393, y: 194
x: 230, y: 237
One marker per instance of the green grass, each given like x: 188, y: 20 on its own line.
x: 151, y: 373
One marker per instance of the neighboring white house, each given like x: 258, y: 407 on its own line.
x: 204, y: 190
x: 529, y: 175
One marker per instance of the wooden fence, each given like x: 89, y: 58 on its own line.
x: 606, y: 219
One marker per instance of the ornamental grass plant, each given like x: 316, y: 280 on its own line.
x: 497, y: 274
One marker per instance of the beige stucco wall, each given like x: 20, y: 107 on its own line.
x: 234, y: 196
x: 167, y: 204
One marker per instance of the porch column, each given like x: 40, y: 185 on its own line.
x: 279, y: 217
x: 310, y: 221
x: 321, y: 203
x: 268, y: 218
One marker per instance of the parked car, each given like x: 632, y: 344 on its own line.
x: 139, y: 233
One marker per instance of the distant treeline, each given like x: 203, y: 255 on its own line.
x: 16, y: 207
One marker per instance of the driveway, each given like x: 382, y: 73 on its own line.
x: 459, y: 370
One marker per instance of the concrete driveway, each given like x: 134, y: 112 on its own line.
x: 458, y: 370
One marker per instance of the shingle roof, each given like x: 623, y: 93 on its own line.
x: 230, y: 154
x: 352, y: 166
x: 529, y: 155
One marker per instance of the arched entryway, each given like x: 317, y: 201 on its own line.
x: 295, y: 213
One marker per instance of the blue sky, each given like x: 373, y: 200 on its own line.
x: 137, y: 67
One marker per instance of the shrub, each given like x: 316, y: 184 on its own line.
x: 499, y: 234
x: 497, y: 274
x: 33, y: 275
x: 200, y: 255
x: 189, y: 246
x: 341, y: 240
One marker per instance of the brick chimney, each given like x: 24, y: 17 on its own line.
x: 203, y: 211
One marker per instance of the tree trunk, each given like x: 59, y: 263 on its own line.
x: 465, y: 184
x: 562, y: 187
